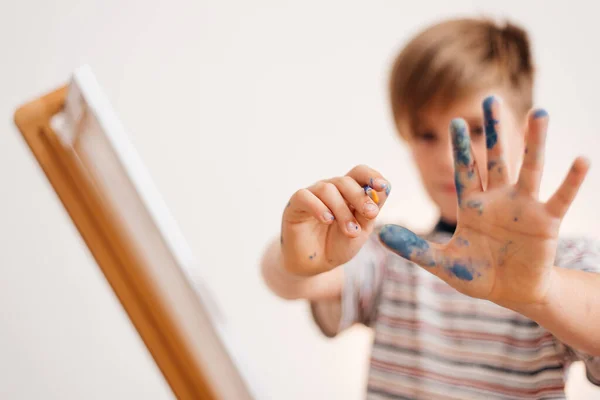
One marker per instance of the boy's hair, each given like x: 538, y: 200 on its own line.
x: 454, y: 59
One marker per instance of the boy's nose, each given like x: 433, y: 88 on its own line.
x: 446, y: 161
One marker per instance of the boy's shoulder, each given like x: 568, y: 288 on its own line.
x: 578, y: 252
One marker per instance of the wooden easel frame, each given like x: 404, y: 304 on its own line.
x: 173, y: 343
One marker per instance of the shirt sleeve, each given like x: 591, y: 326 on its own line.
x: 361, y: 291
x: 581, y: 254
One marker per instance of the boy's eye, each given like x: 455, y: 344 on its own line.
x: 477, y: 131
x: 428, y: 137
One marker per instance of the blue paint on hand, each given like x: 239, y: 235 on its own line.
x: 406, y: 244
x: 491, y: 135
x: 471, y: 172
x: 461, y: 272
x: 462, y: 242
x: 540, y: 113
x: 459, y: 186
x: 460, y: 142
x: 388, y: 189
x: 476, y: 205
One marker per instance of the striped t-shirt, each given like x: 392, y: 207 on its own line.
x: 432, y: 342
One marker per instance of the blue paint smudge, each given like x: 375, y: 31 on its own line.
x: 405, y: 243
x: 388, y: 189
x: 461, y: 272
x: 541, y: 113
x: 459, y: 186
x: 475, y: 204
x: 491, y: 164
x: 312, y: 256
x: 461, y: 242
x: 491, y: 135
x: 471, y: 172
x: 460, y: 142
x: 371, y: 181
x: 288, y: 204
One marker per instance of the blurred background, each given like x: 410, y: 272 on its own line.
x: 253, y: 100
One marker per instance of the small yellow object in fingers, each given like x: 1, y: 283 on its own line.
x: 371, y: 193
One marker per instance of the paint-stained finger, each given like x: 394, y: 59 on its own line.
x: 533, y: 160
x: 496, y: 163
x: 365, y: 175
x: 329, y: 194
x: 356, y: 196
x: 304, y: 203
x: 408, y: 245
x: 466, y: 176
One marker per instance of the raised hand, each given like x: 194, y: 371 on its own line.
x: 505, y: 242
x: 325, y: 225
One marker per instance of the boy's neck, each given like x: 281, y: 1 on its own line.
x: 444, y: 226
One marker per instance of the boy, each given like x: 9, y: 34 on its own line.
x: 436, y: 336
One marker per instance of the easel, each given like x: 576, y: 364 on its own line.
x: 157, y: 296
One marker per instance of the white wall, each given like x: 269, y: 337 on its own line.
x: 254, y: 100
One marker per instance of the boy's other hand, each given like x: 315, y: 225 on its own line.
x: 326, y: 224
x: 505, y: 242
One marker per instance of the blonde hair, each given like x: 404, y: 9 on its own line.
x: 456, y: 58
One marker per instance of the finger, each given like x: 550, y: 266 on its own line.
x: 365, y: 175
x: 304, y: 204
x: 329, y: 194
x: 559, y: 203
x: 466, y: 176
x: 530, y: 175
x: 497, y: 171
x: 356, y: 196
x: 408, y: 245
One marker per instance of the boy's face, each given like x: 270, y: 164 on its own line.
x: 431, y: 147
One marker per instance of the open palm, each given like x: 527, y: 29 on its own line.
x: 505, y: 242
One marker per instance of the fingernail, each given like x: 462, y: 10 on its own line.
x: 327, y: 216
x: 379, y: 184
x: 351, y: 226
x: 370, y: 208
x: 540, y: 113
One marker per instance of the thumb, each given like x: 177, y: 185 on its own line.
x: 408, y: 245
x: 431, y: 256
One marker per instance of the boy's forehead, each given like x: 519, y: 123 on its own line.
x: 434, y: 117
x: 468, y: 107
